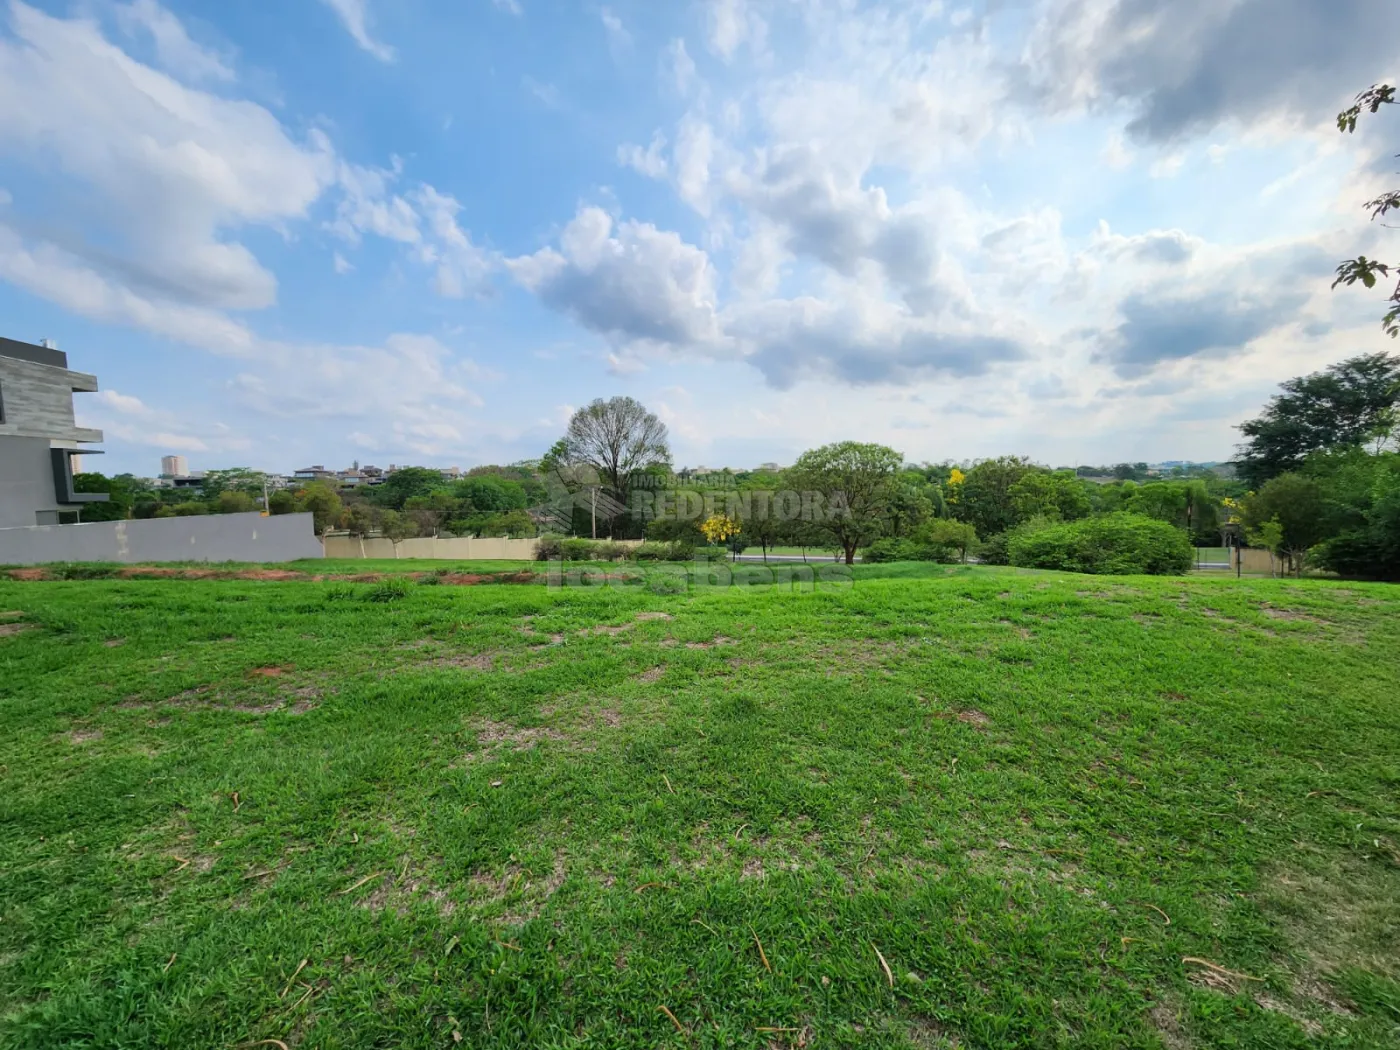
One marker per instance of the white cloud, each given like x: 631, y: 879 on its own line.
x: 510, y: 7
x: 650, y: 162
x: 355, y: 16
x: 731, y: 24
x: 174, y: 48
x: 126, y: 404
x: 1116, y: 153
x: 424, y: 219
x: 341, y: 264
x: 678, y: 68
x: 619, y: 39
x: 173, y: 168
x: 633, y: 283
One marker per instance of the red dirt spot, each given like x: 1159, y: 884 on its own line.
x: 270, y: 672
x: 28, y: 574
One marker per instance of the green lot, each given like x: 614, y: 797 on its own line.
x: 1063, y: 811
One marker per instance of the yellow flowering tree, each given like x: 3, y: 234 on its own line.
x: 718, y: 528
x: 955, y: 480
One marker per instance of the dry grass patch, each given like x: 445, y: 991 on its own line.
x: 9, y: 630
x: 494, y: 737
x: 651, y: 676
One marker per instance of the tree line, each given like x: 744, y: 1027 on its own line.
x: 1316, y: 481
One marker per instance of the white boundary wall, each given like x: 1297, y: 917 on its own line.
x: 459, y: 549
x: 202, y: 537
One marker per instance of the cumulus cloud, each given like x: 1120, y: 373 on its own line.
x: 629, y: 281
x: 175, y: 50
x: 650, y: 162
x: 423, y: 218
x: 354, y: 15
x: 173, y: 167
x: 1155, y: 329
x: 1187, y: 65
x: 1161, y: 247
x: 861, y: 342
x: 833, y: 218
x: 732, y: 23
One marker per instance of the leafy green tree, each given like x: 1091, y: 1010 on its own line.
x: 1300, y: 506
x: 915, y: 501
x: 1057, y: 495
x: 118, y: 504
x: 281, y: 502
x: 322, y: 501
x: 944, y: 532
x: 984, y: 497
x: 405, y: 483
x: 1364, y: 495
x: 616, y: 439
x: 1346, y: 405
x: 1361, y: 268
x: 859, y: 483
x: 231, y: 501
x: 234, y: 479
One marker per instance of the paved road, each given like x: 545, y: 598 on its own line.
x: 811, y: 559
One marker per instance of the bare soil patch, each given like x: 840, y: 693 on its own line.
x: 9, y: 630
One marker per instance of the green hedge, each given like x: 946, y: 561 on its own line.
x: 573, y: 549
x: 907, y: 550
x: 1112, y: 545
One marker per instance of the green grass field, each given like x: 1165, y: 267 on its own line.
x: 942, y: 806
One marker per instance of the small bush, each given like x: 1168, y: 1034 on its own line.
x: 340, y: 592
x: 390, y: 590
x: 607, y: 550
x: 888, y: 550
x: 1112, y: 545
x: 993, y: 550
x: 652, y: 552
x: 577, y: 550
x: 549, y: 548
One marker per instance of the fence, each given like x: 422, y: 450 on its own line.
x: 343, y: 545
x: 211, y: 537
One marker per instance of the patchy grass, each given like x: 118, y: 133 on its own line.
x: 948, y: 806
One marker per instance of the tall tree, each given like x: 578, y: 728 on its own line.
x: 1343, y: 406
x: 858, y: 484
x: 617, y: 438
x: 1361, y: 268
x: 984, y: 496
x: 1298, y: 508
x: 405, y: 483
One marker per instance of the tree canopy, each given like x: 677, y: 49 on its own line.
x: 1343, y: 406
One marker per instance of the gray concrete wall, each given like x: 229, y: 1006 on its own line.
x: 38, y: 400
x: 209, y: 537
x: 26, y: 481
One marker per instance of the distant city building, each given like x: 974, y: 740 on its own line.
x: 174, y: 467
x: 38, y: 435
x: 316, y: 473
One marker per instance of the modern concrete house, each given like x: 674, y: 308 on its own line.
x: 38, y: 437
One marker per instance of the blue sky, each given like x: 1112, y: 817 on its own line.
x: 423, y: 231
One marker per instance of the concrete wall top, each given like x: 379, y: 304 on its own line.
x: 210, y: 537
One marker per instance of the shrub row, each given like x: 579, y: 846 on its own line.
x: 572, y: 549
x: 1113, y: 545
x: 907, y: 550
